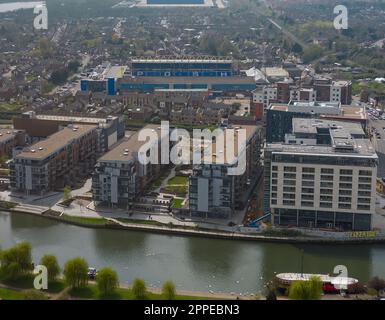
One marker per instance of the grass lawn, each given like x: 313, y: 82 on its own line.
x: 177, y: 203
x: 177, y: 185
x: 7, y: 294
x: 178, y: 180
x: 132, y: 221
x: 92, y: 292
x: 85, y: 220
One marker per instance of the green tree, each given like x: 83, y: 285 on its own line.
x: 306, y: 290
x: 168, y: 290
x: 16, y: 261
x: 67, y: 193
x: 107, y: 281
x: 76, y: 273
x: 312, y: 52
x: 139, y: 289
x: 53, y: 268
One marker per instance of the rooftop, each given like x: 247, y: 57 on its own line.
x: 55, y: 142
x: 346, y: 138
x: 188, y: 80
x: 6, y: 134
x: 128, y: 148
x: 333, y: 108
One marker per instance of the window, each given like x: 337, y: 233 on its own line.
x: 365, y: 173
x: 327, y: 171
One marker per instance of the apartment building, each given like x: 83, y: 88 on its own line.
x: 9, y: 139
x: 40, y: 126
x: 55, y: 162
x: 119, y: 178
x: 322, y: 90
x: 213, y: 193
x: 322, y: 176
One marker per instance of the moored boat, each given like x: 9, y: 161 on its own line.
x: 331, y: 284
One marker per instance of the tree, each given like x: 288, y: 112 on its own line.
x: 168, y: 290
x: 67, y: 193
x: 306, y: 290
x: 76, y: 272
x: 312, y: 52
x: 107, y: 281
x: 53, y: 268
x: 377, y: 284
x: 34, y: 295
x: 16, y: 261
x: 139, y: 289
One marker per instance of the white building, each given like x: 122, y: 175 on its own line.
x: 323, y: 176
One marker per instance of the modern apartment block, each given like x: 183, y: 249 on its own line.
x: 322, y: 176
x: 119, y: 178
x: 9, y: 139
x: 213, y: 193
x: 40, y: 126
x: 322, y: 90
x: 55, y: 162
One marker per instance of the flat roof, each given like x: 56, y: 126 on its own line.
x: 309, y: 125
x: 7, y: 134
x: 363, y: 148
x: 71, y: 118
x: 128, y: 148
x: 250, y: 131
x: 55, y: 142
x: 185, y: 60
x: 116, y: 72
x: 188, y: 80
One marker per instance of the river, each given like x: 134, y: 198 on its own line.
x: 196, y: 264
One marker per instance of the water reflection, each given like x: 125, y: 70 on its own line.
x: 192, y: 263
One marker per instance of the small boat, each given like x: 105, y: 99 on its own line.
x: 331, y: 284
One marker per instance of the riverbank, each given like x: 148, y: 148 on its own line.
x: 104, y: 223
x: 90, y: 292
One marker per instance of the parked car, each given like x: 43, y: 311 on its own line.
x: 92, y: 272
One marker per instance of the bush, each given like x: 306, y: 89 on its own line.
x: 306, y: 290
x: 356, y: 288
x: 76, y: 273
x: 107, y: 281
x: 139, y: 289
x: 168, y: 290
x: 53, y: 268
